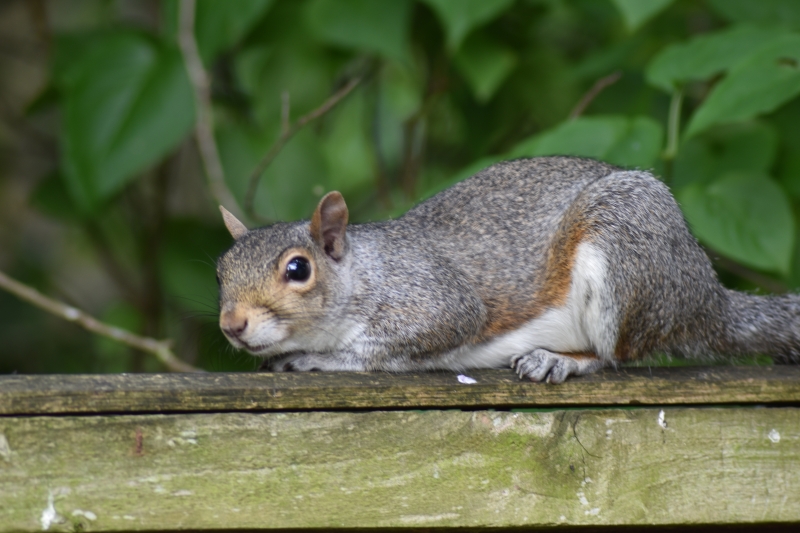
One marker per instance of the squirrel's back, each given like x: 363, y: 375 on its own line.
x: 556, y: 265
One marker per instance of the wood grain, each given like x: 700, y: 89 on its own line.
x: 166, y: 393
x: 400, y: 469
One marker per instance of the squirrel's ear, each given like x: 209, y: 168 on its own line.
x: 329, y: 223
x: 235, y: 227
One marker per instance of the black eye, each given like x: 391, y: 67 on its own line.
x: 298, y: 269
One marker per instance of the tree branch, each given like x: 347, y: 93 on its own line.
x: 287, y: 132
x: 592, y: 93
x: 204, y: 124
x: 161, y: 349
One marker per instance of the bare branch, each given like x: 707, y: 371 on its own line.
x: 592, y: 93
x: 286, y: 108
x: 286, y: 134
x: 204, y: 124
x: 161, y: 349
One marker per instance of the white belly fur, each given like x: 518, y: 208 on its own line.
x: 586, y: 323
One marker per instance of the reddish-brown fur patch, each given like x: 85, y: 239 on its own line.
x: 504, y: 316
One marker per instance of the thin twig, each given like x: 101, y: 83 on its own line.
x: 673, y: 125
x: 286, y: 109
x: 204, y: 124
x: 592, y: 93
x: 288, y: 133
x: 161, y: 349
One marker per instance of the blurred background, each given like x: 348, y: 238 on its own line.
x: 105, y: 205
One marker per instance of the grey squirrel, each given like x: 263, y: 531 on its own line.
x: 554, y: 266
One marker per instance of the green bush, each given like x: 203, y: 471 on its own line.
x: 702, y: 93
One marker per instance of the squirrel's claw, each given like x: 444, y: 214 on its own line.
x: 544, y: 365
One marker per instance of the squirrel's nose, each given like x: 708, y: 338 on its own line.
x: 232, y: 323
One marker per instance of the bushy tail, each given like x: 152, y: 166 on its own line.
x: 761, y: 324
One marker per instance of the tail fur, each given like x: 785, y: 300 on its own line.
x: 762, y: 324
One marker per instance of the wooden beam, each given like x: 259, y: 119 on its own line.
x: 400, y: 469
x: 143, y: 393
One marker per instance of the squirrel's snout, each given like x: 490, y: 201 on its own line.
x: 232, y: 323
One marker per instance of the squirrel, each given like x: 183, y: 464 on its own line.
x: 554, y: 266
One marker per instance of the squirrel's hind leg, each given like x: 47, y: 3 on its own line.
x: 544, y: 365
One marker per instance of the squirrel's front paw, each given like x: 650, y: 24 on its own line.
x: 543, y: 365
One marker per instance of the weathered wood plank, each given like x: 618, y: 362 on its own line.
x: 400, y: 469
x: 131, y: 393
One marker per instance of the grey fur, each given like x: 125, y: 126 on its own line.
x: 463, y: 267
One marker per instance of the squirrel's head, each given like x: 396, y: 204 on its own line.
x: 279, y: 283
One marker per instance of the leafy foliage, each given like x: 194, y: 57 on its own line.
x: 707, y: 99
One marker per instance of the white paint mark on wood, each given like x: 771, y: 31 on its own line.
x: 582, y: 498
x: 466, y: 380
x: 774, y: 436
x: 5, y: 449
x: 49, y: 515
x: 592, y: 512
x: 87, y: 514
x: 662, y: 420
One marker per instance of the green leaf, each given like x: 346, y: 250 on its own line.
x: 706, y: 55
x: 638, y: 146
x: 746, y: 217
x: 485, y: 64
x: 630, y: 142
x: 292, y: 185
x: 220, y: 25
x: 379, y: 27
x: 265, y: 72
x: 461, y: 17
x: 780, y: 13
x: 637, y: 12
x: 760, y: 83
x: 127, y: 103
x: 347, y: 149
x: 401, y: 89
x: 750, y: 148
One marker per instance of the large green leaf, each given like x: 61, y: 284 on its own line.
x: 749, y: 147
x: 346, y: 147
x: 220, y: 25
x: 380, y: 27
x: 485, y: 64
x: 637, y: 12
x: 746, y: 217
x: 773, y: 13
x: 459, y: 18
x: 760, y: 83
x: 265, y: 72
x: 127, y: 103
x: 292, y: 185
x: 705, y: 55
x: 630, y: 142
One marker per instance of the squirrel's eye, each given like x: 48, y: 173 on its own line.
x: 298, y: 269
